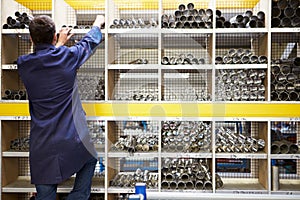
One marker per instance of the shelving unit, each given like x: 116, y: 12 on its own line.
x: 146, y: 72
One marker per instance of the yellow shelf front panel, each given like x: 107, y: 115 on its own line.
x: 117, y: 109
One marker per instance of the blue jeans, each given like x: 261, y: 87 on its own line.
x: 81, y: 189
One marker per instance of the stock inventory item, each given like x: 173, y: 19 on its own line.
x: 187, y: 174
x: 285, y: 13
x: 188, y: 17
x: 285, y: 80
x: 21, y: 20
x: 244, y: 20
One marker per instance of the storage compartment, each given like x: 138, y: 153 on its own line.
x: 186, y: 14
x: 186, y: 174
x: 133, y: 85
x: 133, y: 137
x: 18, y: 14
x: 186, y: 85
x: 124, y: 173
x: 285, y: 73
x: 241, y: 175
x: 186, y: 49
x: 133, y: 48
x: 242, y: 14
x: 77, y: 14
x: 285, y: 137
x: 247, y: 49
x: 241, y: 137
x: 241, y: 85
x: 133, y: 15
x: 186, y: 136
x: 285, y: 175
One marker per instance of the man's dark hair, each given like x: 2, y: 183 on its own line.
x: 42, y: 29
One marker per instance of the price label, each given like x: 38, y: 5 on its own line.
x: 246, y: 192
x: 296, y: 29
x: 21, y: 118
x: 295, y: 119
x: 233, y: 156
x: 239, y: 119
x: 295, y: 156
x: 10, y: 67
x: 96, y: 189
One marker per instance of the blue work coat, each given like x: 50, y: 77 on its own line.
x: 59, y: 139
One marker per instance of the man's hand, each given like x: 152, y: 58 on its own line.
x: 63, y: 37
x: 99, y: 21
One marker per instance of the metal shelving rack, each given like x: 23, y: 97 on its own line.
x: 129, y: 66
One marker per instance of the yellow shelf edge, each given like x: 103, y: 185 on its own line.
x: 112, y: 109
x: 137, y: 4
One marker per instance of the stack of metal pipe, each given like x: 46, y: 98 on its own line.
x: 187, y: 174
x: 285, y: 81
x: 284, y: 147
x: 21, y: 21
x: 188, y: 17
x: 241, y: 56
x: 230, y: 142
x: 20, y: 144
x: 97, y: 132
x: 240, y: 85
x: 91, y: 87
x: 285, y: 13
x: 142, y: 94
x: 244, y: 20
x: 128, y: 179
x: 137, y: 143
x: 186, y: 136
x: 15, y: 95
x: 134, y: 23
x: 182, y: 59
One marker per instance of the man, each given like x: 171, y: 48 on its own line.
x: 59, y: 139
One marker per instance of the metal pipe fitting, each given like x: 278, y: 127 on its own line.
x: 207, y: 185
x: 165, y: 60
x: 286, y: 22
x: 262, y: 59
x: 282, y: 4
x: 293, y: 96
x: 254, y: 59
x: 296, y: 21
x: 283, y: 96
x: 199, y: 185
x: 190, y: 6
x: 275, y: 22
x: 251, y: 24
x: 181, y: 185
x: 172, y: 185
x: 289, y: 12
x: 165, y: 185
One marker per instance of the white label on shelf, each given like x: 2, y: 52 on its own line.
x: 239, y: 119
x: 21, y: 118
x: 295, y: 119
x: 295, y: 156
x: 12, y: 66
x: 296, y: 29
x: 247, y: 192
